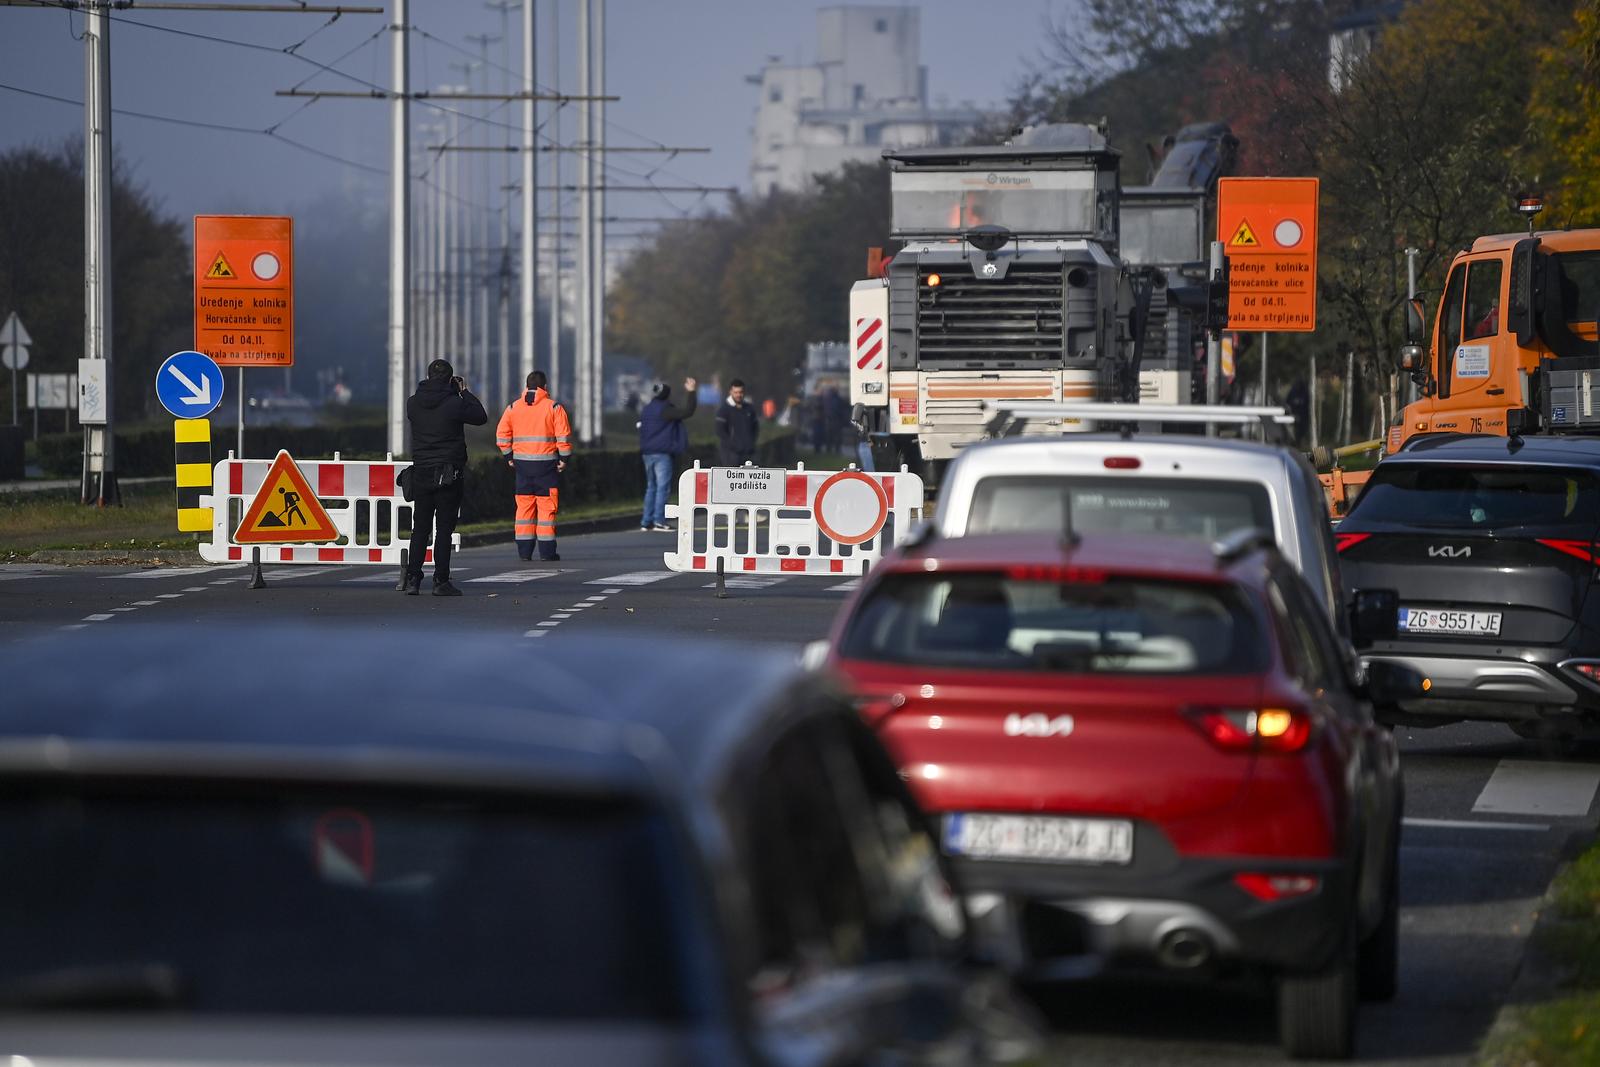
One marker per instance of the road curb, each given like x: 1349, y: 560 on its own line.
x: 1539, y: 976
x: 109, y: 557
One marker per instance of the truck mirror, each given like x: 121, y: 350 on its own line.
x: 1416, y: 324
x: 1411, y: 358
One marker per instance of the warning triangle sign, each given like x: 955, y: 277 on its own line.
x: 1244, y: 236
x: 285, y: 511
x: 220, y: 268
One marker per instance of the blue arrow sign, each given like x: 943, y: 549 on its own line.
x: 189, y: 384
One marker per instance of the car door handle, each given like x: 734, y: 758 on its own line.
x: 1495, y: 390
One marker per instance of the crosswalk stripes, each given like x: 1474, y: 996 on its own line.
x: 515, y: 577
x: 749, y: 583
x: 391, y: 575
x: 846, y: 587
x: 1528, y: 787
x: 167, y: 572
x: 633, y: 578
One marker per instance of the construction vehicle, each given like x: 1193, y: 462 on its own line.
x: 1514, y: 348
x: 1028, y: 273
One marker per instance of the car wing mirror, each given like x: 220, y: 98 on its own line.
x: 1374, y: 616
x: 1390, y: 683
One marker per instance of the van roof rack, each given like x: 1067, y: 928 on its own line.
x: 1009, y: 417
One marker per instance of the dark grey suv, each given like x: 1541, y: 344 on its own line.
x: 1491, y: 544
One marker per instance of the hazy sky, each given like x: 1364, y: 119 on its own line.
x: 678, y: 65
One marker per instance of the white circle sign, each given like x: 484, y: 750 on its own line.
x: 851, y: 507
x: 1287, y: 233
x: 265, y: 266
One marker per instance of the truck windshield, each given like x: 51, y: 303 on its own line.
x: 1190, y: 508
x: 1491, y: 500
x: 1079, y: 624
x: 337, y: 902
x: 1051, y: 201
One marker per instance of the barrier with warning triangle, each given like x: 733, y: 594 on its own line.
x: 309, y: 511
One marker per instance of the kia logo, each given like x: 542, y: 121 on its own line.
x: 1449, y: 551
x: 1038, y: 725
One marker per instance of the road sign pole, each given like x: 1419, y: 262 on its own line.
x: 1265, y: 399
x: 240, y: 452
x: 1214, y: 344
x: 14, y: 421
x: 99, y: 484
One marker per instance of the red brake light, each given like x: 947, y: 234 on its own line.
x: 1122, y: 463
x: 1267, y: 729
x: 1583, y: 550
x: 1270, y: 887
x: 1348, y: 540
x: 1055, y: 573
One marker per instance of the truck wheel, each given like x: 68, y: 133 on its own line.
x: 1380, y: 952
x: 1317, y: 1012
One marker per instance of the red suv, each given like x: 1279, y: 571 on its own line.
x: 1146, y: 750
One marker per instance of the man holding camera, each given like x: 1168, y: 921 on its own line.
x: 439, y: 412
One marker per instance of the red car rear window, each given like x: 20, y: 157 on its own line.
x: 997, y: 621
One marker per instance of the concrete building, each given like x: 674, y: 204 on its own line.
x: 867, y: 91
x: 1352, y: 31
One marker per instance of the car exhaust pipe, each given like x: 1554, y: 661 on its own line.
x: 1185, y: 949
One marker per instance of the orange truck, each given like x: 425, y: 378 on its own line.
x: 1513, y: 348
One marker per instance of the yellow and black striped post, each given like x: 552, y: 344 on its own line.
x: 192, y: 453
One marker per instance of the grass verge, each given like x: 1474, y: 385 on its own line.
x: 55, y: 520
x: 1564, y: 1030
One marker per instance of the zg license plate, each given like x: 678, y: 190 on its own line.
x: 1435, y: 621
x: 1039, y: 837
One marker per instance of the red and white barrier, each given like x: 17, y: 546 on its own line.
x: 360, y: 496
x: 744, y: 520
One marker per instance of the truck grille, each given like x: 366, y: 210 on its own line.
x: 1016, y: 317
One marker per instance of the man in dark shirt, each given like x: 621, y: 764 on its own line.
x: 737, y: 427
x: 439, y: 412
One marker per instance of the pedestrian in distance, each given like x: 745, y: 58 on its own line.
x: 662, y: 435
x: 439, y: 412
x: 738, y: 427
x: 535, y: 436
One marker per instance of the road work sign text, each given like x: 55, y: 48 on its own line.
x: 746, y: 485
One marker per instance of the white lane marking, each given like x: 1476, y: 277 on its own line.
x: 1476, y: 824
x: 223, y: 581
x: 562, y: 615
x: 548, y: 623
x: 280, y: 573
x: 748, y: 583
x: 612, y: 592
x: 168, y: 596
x: 195, y: 589
x: 390, y: 576
x: 101, y: 617
x: 594, y: 599
x: 535, y: 633
x: 168, y: 572
x: 7, y: 577
x: 145, y: 603
x: 76, y: 626
x: 124, y: 609
x: 633, y: 578
x: 577, y: 607
x: 1530, y: 787
x: 846, y: 587
x: 510, y: 577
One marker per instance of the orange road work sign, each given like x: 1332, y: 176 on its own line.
x: 244, y: 289
x: 285, y: 510
x: 1269, y: 226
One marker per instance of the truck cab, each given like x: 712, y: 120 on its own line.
x: 1514, y: 345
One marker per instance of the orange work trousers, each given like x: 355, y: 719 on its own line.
x: 536, y: 523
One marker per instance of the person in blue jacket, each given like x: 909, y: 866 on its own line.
x: 662, y: 435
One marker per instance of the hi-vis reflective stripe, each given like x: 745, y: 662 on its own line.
x: 191, y: 452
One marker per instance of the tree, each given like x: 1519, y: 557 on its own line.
x: 1564, y: 114
x: 41, y: 271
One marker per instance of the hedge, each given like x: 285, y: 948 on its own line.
x: 592, y: 477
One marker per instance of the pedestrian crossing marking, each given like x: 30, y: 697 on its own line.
x: 1537, y: 787
x: 748, y: 583
x: 515, y: 577
x: 846, y: 587
x: 633, y: 578
x: 166, y: 572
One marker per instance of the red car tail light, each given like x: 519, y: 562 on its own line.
x: 1270, y: 887
x: 1348, y: 540
x: 1055, y: 573
x: 1122, y: 463
x: 1583, y: 550
x: 1267, y: 729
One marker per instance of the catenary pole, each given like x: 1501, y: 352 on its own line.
x: 597, y: 243
x: 583, y: 336
x: 99, y: 452
x: 399, y: 225
x: 528, y: 195
x: 554, y: 357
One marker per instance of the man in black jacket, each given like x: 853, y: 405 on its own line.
x: 737, y: 428
x: 439, y: 412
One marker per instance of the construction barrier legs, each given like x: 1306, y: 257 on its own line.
x: 722, y: 585
x: 256, y: 579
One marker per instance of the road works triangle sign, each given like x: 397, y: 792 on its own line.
x: 285, y: 510
x: 220, y: 268
x: 1244, y: 236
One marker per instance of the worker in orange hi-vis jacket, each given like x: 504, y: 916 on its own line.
x: 535, y: 436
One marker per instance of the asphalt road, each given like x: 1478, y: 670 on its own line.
x: 1488, y: 815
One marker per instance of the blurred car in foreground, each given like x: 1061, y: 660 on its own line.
x: 1491, y: 543
x: 370, y: 847
x: 1144, y: 751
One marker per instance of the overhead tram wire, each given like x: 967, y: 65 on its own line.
x: 270, y: 131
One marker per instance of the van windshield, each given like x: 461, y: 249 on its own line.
x: 1197, y: 509
x: 1490, y: 499
x: 1077, y: 621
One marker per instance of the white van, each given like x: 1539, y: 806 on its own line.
x: 1180, y: 485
